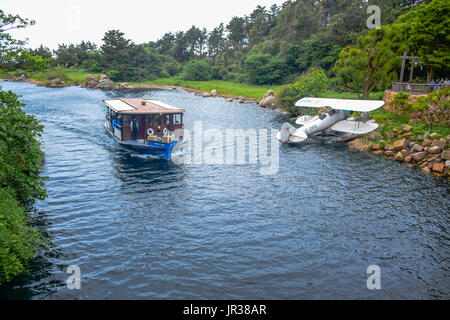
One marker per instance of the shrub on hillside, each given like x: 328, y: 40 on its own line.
x: 312, y: 83
x: 196, y: 70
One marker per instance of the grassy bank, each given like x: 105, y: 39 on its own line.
x: 222, y: 87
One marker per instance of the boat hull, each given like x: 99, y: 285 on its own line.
x: 159, y: 149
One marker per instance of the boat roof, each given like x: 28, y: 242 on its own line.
x: 140, y: 106
x: 341, y: 104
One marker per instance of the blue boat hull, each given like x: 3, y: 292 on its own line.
x: 160, y: 149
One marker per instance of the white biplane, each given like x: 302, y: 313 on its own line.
x: 337, y: 120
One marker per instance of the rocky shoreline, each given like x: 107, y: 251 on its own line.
x: 429, y: 152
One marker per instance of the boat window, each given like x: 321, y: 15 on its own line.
x: 332, y: 112
x: 167, y: 120
x: 158, y: 120
x: 178, y: 119
x: 126, y: 118
x: 323, y: 116
x: 150, y: 120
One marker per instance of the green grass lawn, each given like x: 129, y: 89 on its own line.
x: 222, y: 87
x: 68, y: 76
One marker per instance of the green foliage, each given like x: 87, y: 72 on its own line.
x: 401, y: 103
x: 427, y: 34
x: 264, y: 69
x: 371, y: 62
x: 18, y: 241
x: 313, y: 83
x: 20, y: 150
x: 113, y: 74
x: 197, y: 70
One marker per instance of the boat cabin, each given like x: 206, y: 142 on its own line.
x: 143, y: 120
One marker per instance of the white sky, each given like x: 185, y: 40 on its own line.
x: 70, y: 21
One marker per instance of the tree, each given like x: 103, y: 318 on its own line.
x: 196, y: 70
x: 216, y: 40
x: 114, y: 50
x: 236, y: 32
x: 428, y: 34
x: 370, y: 62
x: 264, y: 69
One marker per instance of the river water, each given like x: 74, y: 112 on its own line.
x: 142, y: 228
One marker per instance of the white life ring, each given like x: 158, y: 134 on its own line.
x: 150, y: 132
x: 165, y: 131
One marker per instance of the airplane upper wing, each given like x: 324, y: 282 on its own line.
x: 341, y: 104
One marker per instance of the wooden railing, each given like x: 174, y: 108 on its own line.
x: 416, y: 88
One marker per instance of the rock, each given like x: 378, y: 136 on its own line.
x: 378, y: 152
x: 229, y: 100
x: 407, y: 134
x: 408, y: 159
x: 426, y: 143
x: 123, y: 85
x: 434, y: 135
x: 406, y: 128
x: 447, y: 164
x: 213, y: 93
x: 205, y: 95
x: 106, y: 84
x: 241, y: 101
x: 103, y: 77
x: 438, y: 167
x: 389, y: 153
x: 426, y: 135
x: 390, y: 135
x: 439, y: 143
x: 417, y: 148
x: 400, y: 144
x: 56, y: 83
x: 445, y: 155
x: 420, y: 137
x: 376, y: 146
x: 418, y: 156
x: 268, y: 102
x: 448, y: 139
x: 411, y: 145
x: 91, y: 82
x: 358, y: 145
x: 434, y: 150
x: 426, y: 169
x: 399, y: 157
x: 405, y: 152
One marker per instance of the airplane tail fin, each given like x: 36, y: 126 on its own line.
x: 286, y: 130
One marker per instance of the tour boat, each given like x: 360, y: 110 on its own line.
x: 159, y: 129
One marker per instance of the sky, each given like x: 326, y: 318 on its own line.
x: 69, y: 21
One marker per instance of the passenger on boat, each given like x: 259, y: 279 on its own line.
x: 134, y: 125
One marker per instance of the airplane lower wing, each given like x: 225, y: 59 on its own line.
x: 354, y: 127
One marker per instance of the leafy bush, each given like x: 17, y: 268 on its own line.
x: 113, y: 74
x: 401, y: 103
x: 196, y: 70
x: 20, y: 150
x: 265, y: 69
x: 18, y: 241
x: 313, y: 83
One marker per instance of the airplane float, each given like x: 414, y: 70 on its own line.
x: 336, y: 121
